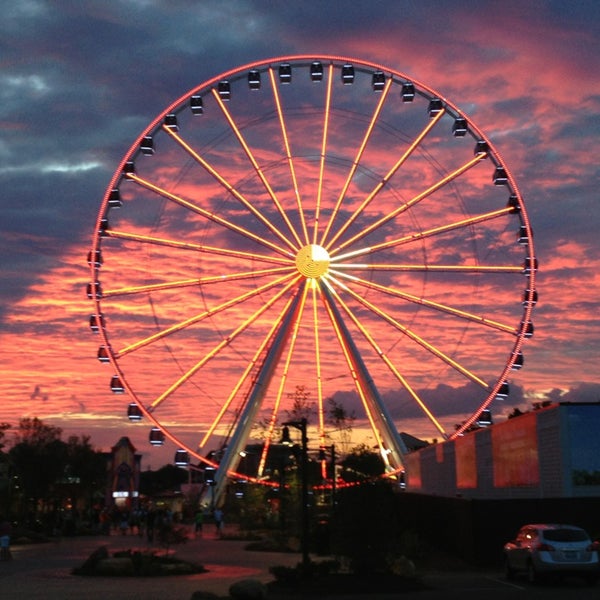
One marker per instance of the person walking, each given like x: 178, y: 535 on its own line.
x: 198, y: 522
x: 218, y: 516
x: 5, y: 531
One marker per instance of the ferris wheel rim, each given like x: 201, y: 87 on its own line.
x: 134, y: 151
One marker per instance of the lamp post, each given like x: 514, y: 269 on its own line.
x: 301, y: 425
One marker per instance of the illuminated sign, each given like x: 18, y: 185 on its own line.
x: 515, y: 452
x: 466, y: 462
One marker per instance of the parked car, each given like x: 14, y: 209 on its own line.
x: 551, y: 549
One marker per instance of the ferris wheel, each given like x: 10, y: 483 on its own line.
x: 320, y: 223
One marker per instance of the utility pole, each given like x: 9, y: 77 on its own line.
x: 301, y: 425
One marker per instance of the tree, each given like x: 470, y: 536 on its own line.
x: 38, y: 459
x: 35, y: 432
x: 84, y: 470
x: 302, y: 407
x: 168, y: 477
x: 4, y: 427
x: 54, y: 474
x: 366, y: 528
x: 339, y: 417
x: 362, y: 463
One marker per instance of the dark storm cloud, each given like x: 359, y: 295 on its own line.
x: 80, y: 82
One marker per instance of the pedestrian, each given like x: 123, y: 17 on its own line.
x: 218, y: 516
x: 198, y: 522
x: 150, y: 523
x: 5, y: 531
x: 124, y: 523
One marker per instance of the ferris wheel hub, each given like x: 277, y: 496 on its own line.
x: 312, y: 261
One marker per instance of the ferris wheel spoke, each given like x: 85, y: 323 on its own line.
x: 438, y: 268
x: 207, y: 214
x: 241, y: 433
x: 154, y: 287
x: 352, y: 369
x: 288, y: 152
x: 201, y: 316
x: 401, y: 379
x: 389, y: 440
x: 357, y: 159
x: 323, y: 153
x: 319, y: 376
x: 406, y: 331
x: 418, y: 198
x: 249, y: 372
x: 429, y: 233
x: 430, y: 125
x: 282, y: 381
x: 429, y: 303
x: 203, y: 248
x: 230, y: 188
x: 224, y: 343
x: 256, y: 166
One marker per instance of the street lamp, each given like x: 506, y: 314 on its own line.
x: 323, y: 457
x: 301, y: 425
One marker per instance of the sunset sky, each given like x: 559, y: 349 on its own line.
x: 80, y: 81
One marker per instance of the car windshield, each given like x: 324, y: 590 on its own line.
x: 566, y: 535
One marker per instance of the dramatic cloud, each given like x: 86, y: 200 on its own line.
x: 79, y: 83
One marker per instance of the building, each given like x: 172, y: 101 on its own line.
x: 123, y: 468
x: 551, y: 452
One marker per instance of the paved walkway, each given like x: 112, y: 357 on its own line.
x: 43, y: 571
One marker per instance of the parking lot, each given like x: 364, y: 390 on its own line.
x: 492, y: 585
x: 43, y: 572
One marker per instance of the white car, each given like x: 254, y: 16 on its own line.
x: 551, y: 549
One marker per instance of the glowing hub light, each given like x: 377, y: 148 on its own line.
x: 312, y: 261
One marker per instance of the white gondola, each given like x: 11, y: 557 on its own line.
x: 523, y: 236
x: 103, y: 356
x: 530, y: 265
x: 285, y: 73
x: 147, y: 145
x: 182, y: 458
x: 196, y: 105
x: 518, y: 361
x: 171, y: 122
x: 485, y: 418
x: 94, y: 291
x: 503, y: 391
x: 116, y: 385
x: 378, y: 81
x: 500, y: 176
x: 114, y: 199
x: 133, y: 412
x: 481, y: 147
x: 316, y: 71
x: 209, y: 475
x: 94, y: 258
x: 254, y: 79
x: 408, y: 91
x: 156, y: 436
x: 530, y: 298
x: 527, y: 328
x: 224, y: 90
x: 104, y: 226
x: 96, y: 323
x: 513, y: 202
x: 435, y: 106
x: 459, y: 127
x: 347, y: 74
